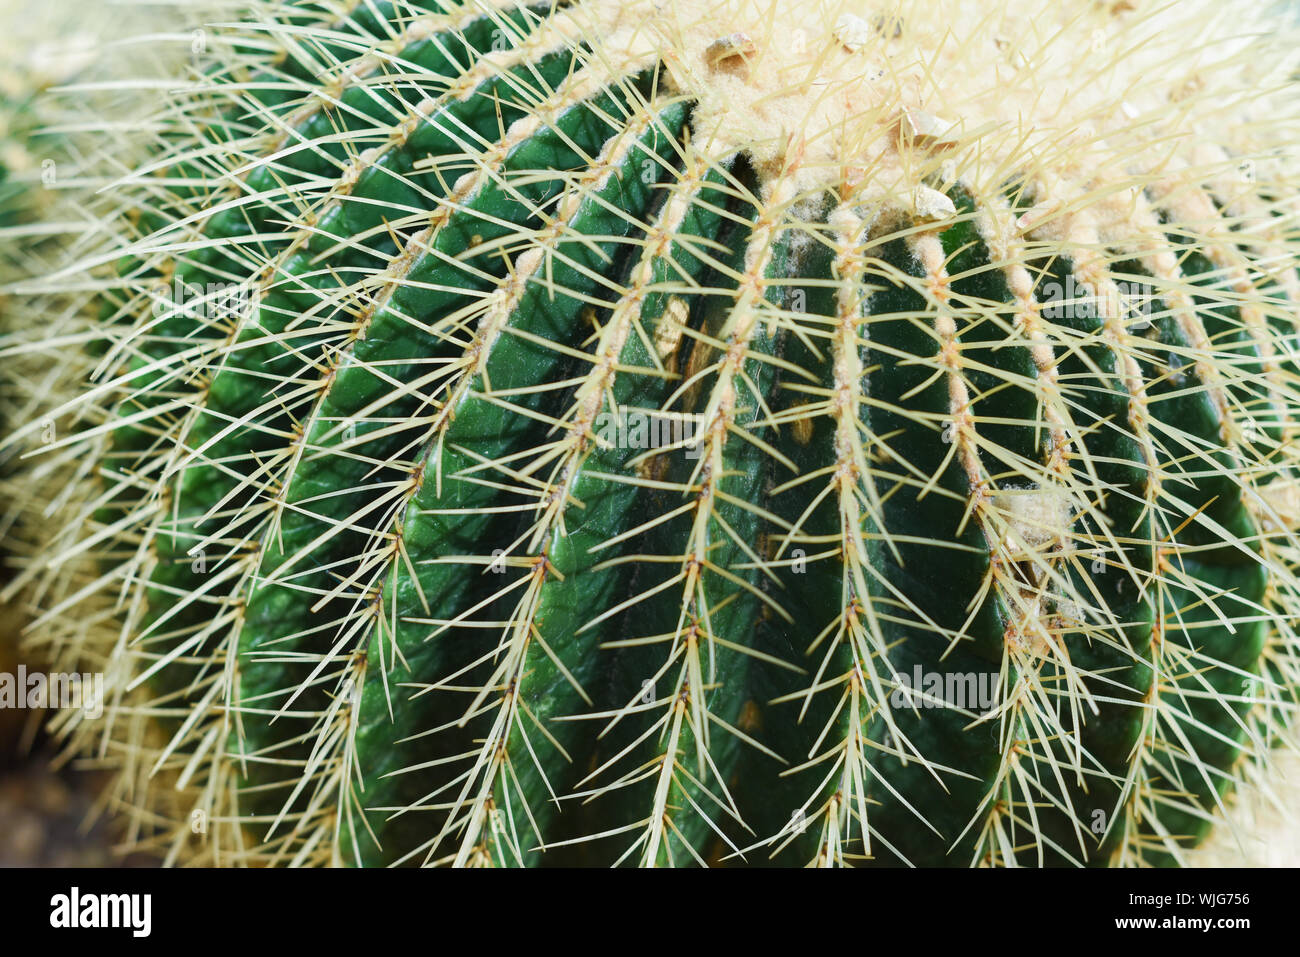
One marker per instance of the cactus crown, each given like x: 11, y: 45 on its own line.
x: 624, y: 431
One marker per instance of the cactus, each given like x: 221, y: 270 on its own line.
x: 42, y: 45
x: 694, y: 433
x: 38, y: 51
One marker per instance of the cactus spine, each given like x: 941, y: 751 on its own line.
x: 608, y: 433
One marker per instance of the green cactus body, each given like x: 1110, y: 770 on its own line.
x: 591, y: 473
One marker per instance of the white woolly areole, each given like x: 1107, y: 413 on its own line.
x: 1071, y: 95
x: 1037, y: 516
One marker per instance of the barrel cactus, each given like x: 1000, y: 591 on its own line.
x: 618, y: 432
x: 44, y: 45
x: 37, y: 52
x: 45, y: 155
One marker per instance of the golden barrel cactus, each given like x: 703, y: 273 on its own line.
x: 684, y: 432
